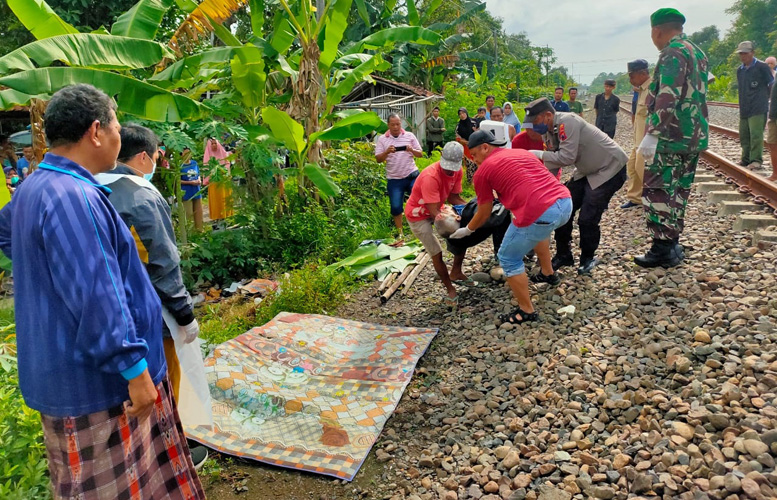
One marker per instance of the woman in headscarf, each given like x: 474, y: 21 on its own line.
x: 219, y: 193
x: 510, y: 117
x: 464, y: 129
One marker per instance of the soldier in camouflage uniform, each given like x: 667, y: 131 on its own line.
x: 677, y: 131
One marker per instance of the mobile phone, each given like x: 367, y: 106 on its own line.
x: 400, y: 148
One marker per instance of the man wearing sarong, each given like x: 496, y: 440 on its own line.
x: 88, y: 320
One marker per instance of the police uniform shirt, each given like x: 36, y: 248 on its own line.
x: 574, y: 141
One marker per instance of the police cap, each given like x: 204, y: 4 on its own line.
x: 537, y: 107
x: 637, y: 65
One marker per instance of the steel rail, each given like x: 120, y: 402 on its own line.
x: 762, y: 190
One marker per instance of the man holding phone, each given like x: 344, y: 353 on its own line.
x: 399, y: 149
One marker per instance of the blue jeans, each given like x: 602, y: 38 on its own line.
x: 519, y: 241
x: 397, y: 188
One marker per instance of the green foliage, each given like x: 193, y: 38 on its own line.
x: 722, y: 89
x: 23, y: 466
x: 313, y: 289
x: 226, y: 320
x: 457, y: 97
x: 308, y: 228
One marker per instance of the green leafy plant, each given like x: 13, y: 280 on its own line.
x: 23, y: 466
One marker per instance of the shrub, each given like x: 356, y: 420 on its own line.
x: 23, y: 465
x: 270, y: 238
x: 313, y: 289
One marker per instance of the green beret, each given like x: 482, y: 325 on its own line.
x: 666, y: 15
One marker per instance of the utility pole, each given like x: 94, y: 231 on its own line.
x: 496, y: 51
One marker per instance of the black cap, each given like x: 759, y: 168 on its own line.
x: 637, y: 65
x: 537, y: 107
x: 480, y: 137
x: 611, y: 83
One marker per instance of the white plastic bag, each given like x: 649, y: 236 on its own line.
x: 194, y: 404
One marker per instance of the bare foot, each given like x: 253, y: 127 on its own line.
x: 400, y: 242
x: 458, y: 277
x: 773, y: 178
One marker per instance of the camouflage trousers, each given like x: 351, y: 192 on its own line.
x: 665, y: 191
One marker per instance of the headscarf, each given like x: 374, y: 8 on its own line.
x: 220, y: 154
x: 464, y: 128
x: 512, y: 118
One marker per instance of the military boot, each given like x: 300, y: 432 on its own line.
x: 679, y: 249
x: 663, y: 253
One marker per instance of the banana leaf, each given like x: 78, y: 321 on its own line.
x: 142, y: 20
x: 40, y: 19
x: 378, y: 260
x: 132, y: 96
x: 85, y: 50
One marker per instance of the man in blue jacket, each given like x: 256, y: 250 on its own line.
x: 88, y: 320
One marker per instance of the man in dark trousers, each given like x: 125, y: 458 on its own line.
x: 606, y: 106
x: 600, y: 171
x: 435, y: 126
x: 754, y: 78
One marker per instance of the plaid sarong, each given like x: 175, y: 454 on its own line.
x: 109, y: 455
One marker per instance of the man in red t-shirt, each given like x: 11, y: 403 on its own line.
x: 440, y: 182
x: 539, y: 204
x: 530, y: 140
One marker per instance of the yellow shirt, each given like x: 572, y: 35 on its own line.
x: 640, y: 120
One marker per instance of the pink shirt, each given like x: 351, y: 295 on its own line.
x: 401, y: 163
x: 432, y: 186
x: 523, y: 184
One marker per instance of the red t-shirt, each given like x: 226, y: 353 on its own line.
x: 523, y: 184
x: 431, y: 186
x: 523, y: 141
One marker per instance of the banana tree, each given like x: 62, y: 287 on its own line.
x: 61, y: 57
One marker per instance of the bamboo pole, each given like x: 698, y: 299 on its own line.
x: 401, y: 279
x: 387, y: 282
x: 413, y: 275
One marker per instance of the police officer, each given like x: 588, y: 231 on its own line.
x: 600, y: 171
x: 677, y: 131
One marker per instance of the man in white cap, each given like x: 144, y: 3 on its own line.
x: 754, y: 79
x: 439, y: 183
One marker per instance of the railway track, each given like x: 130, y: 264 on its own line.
x: 762, y: 192
x: 723, y: 104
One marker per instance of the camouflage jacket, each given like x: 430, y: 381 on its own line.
x: 677, y: 102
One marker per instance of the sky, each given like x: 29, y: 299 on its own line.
x: 591, y: 36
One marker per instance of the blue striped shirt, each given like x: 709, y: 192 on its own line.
x: 87, y: 317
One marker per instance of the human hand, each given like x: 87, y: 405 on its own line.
x: 537, y: 153
x: 190, y: 332
x: 462, y: 232
x: 142, y: 395
x: 647, y: 148
x: 391, y: 149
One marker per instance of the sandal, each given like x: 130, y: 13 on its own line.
x: 451, y: 302
x: 469, y: 282
x: 525, y: 317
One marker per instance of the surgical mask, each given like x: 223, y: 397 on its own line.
x: 149, y: 176
x: 14, y: 179
x: 541, y: 128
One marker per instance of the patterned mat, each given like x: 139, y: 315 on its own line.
x: 309, y: 392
